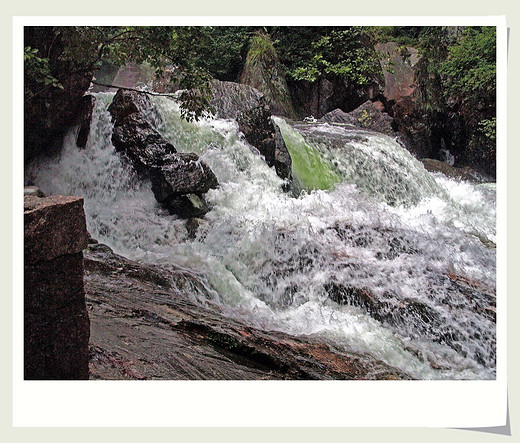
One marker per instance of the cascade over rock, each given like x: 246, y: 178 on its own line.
x: 194, y: 342
x: 178, y: 180
x: 379, y: 258
x: 56, y: 323
x: 248, y: 106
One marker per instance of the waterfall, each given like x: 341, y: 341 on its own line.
x: 375, y: 255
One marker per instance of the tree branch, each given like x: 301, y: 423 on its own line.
x: 133, y: 89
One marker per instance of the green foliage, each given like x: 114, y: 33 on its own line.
x: 403, y: 35
x: 339, y: 53
x: 365, y: 119
x: 261, y: 49
x: 470, y: 69
x: 37, y: 69
x: 488, y: 128
x: 311, y: 53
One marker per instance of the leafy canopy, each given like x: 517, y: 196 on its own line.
x: 470, y: 68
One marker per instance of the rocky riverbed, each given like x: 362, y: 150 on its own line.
x: 143, y: 327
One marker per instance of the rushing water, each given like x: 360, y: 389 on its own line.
x: 375, y: 256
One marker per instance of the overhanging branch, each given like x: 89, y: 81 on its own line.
x: 133, y: 89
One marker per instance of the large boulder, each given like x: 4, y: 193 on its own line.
x: 398, y: 63
x: 135, y: 134
x: 403, y: 91
x: 178, y: 179
x: 249, y: 108
x: 264, y: 72
x: 56, y: 323
x: 229, y: 99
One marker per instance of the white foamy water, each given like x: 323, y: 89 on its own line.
x: 405, y: 238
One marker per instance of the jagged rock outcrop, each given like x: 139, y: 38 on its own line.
x: 370, y: 115
x: 178, y: 179
x: 144, y: 327
x: 248, y: 106
x: 398, y: 63
x: 326, y: 94
x: 402, y: 93
x: 264, y: 72
x: 56, y: 323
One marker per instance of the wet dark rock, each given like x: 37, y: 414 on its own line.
x: 248, y: 106
x: 51, y: 112
x: 260, y: 131
x: 144, y: 326
x: 135, y: 134
x: 187, y: 206
x: 323, y: 96
x: 178, y: 179
x: 56, y: 323
x: 410, y: 120
x: 181, y: 174
x: 464, y: 173
x: 84, y: 118
x: 192, y: 226
x: 339, y: 116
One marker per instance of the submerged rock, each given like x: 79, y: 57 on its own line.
x: 178, y: 179
x: 56, y: 323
